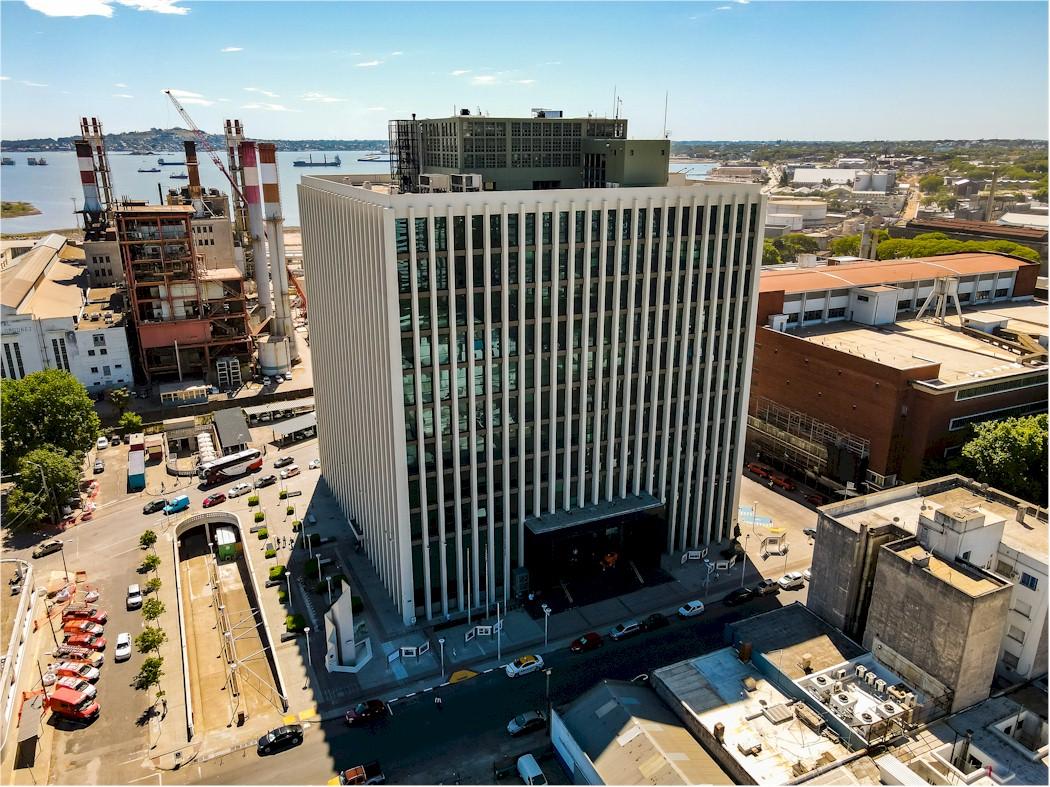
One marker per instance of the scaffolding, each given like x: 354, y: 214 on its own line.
x: 405, y: 163
x: 800, y: 439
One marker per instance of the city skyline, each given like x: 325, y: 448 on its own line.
x: 264, y: 62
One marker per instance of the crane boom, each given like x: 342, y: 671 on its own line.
x: 207, y: 145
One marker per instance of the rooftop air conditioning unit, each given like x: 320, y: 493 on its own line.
x: 843, y: 700
x: 861, y: 670
x: 836, y: 686
x: 909, y: 700
x: 870, y: 678
x: 890, y: 709
x: 840, y: 674
x: 470, y: 181
x: 868, y: 717
x: 880, y: 685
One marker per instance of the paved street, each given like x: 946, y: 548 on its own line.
x: 419, y: 744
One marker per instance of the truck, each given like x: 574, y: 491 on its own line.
x: 71, y: 704
x: 369, y: 773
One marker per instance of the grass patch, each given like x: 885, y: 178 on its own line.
x: 263, y: 533
x: 253, y: 500
x: 270, y: 553
x: 259, y: 516
x: 277, y: 572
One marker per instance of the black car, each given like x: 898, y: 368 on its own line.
x: 281, y: 738
x: 266, y: 480
x: 738, y: 596
x: 654, y: 621
x: 284, y: 460
x: 366, y: 711
x: 809, y: 531
x: 153, y: 506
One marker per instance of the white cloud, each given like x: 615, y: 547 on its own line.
x: 396, y: 54
x: 33, y: 84
x: 268, y: 107
x: 460, y: 72
x: 122, y: 95
x: 369, y: 63
x: 741, y: 2
x: 119, y: 84
x: 320, y: 98
x: 4, y: 79
x: 724, y: 8
x: 156, y: 6
x: 259, y: 90
x: 224, y: 99
x: 525, y: 81
x: 484, y: 79
x: 552, y: 63
x: 71, y: 7
x: 232, y: 49
x: 183, y: 93
x: 199, y: 101
x: 376, y: 109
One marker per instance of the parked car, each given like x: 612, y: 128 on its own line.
x: 114, y: 439
x: 86, y: 641
x: 288, y: 376
x: 654, y: 621
x: 759, y: 470
x: 366, y: 711
x: 283, y: 461
x: 122, y: 650
x: 90, y: 658
x: 101, y: 444
x: 816, y: 500
x: 588, y: 641
x: 93, y: 614
x: 809, y: 531
x: 98, y: 467
x: 369, y: 773
x: 74, y: 669
x: 290, y: 471
x: 266, y: 380
x: 153, y: 506
x: 214, y: 499
x: 626, y: 629
x: 82, y: 627
x: 134, y: 600
x: 807, y: 574
x: 525, y: 723
x: 738, y: 596
x: 73, y: 705
x: 77, y: 684
x: 524, y: 665
x: 530, y: 772
x: 47, y: 548
x: 266, y: 480
x: 691, y: 609
x: 791, y: 581
x: 177, y: 504
x: 782, y: 482
x: 767, y: 587
x: 238, y: 490
x: 281, y: 738
x: 315, y: 464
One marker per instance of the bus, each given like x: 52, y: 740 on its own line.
x: 232, y: 466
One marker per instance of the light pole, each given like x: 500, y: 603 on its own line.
x: 743, y: 563
x: 499, y: 632
x: 546, y: 617
x: 441, y: 645
x: 53, y: 634
x: 307, y: 684
x: 329, y: 581
x: 754, y: 515
x: 288, y: 576
x: 318, y: 565
x: 548, y: 671
x: 64, y: 567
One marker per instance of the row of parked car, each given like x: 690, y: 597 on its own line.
x: 782, y: 482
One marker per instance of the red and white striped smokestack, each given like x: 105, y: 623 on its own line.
x: 86, y: 164
x: 271, y: 196
x: 190, y: 148
x: 256, y: 228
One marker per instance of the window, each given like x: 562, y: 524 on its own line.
x: 1025, y: 610
x: 816, y: 314
x: 99, y: 340
x: 1012, y: 384
x: 1028, y: 581
x: 61, y: 358
x: 91, y: 352
x: 1016, y: 634
x: 103, y: 352
x: 94, y: 370
x: 1010, y: 661
x: 13, y: 355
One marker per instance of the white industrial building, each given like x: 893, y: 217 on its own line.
x: 498, y: 373
x: 52, y: 320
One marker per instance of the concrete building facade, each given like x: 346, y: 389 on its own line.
x: 499, y: 375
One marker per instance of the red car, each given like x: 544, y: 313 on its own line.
x: 784, y: 483
x: 86, y: 641
x: 759, y: 470
x: 815, y: 499
x: 82, y: 627
x: 588, y: 641
x: 214, y: 500
x: 366, y: 711
x: 93, y: 614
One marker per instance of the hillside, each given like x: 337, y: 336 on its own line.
x: 162, y: 140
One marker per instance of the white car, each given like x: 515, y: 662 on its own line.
x: 240, y: 489
x: 290, y: 471
x: 690, y: 609
x: 806, y: 575
x: 524, y: 665
x: 122, y: 652
x: 791, y: 581
x: 134, y: 600
x: 77, y: 684
x: 315, y: 463
x: 102, y: 444
x: 288, y: 376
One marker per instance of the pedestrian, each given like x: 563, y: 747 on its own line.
x: 438, y: 702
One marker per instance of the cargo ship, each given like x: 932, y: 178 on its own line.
x: 7, y: 162
x: 164, y: 163
x: 36, y: 162
x: 309, y: 162
x: 149, y: 169
x: 178, y: 176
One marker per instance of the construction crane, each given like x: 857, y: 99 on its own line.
x: 207, y: 145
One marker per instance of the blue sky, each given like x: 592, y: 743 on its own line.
x: 734, y: 70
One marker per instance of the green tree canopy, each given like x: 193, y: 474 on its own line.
x: 927, y: 245
x: 151, y: 638
x: 152, y: 608
x: 47, y: 478
x: 150, y: 673
x: 931, y: 183
x: 1010, y: 455
x: 770, y: 255
x: 46, y: 408
x: 120, y: 398
x: 793, y: 244
x: 151, y: 562
x: 129, y: 422
x: 846, y: 246
x: 147, y: 539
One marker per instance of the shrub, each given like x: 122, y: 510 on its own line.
x: 282, y: 596
x: 283, y: 494
x: 295, y: 623
x: 289, y: 510
x: 253, y: 500
x: 147, y: 539
x: 296, y: 524
x: 271, y: 553
x: 151, y: 562
x: 153, y: 584
x: 263, y: 533
x: 277, y: 572
x: 259, y: 516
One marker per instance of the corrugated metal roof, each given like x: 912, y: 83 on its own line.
x: 296, y: 424
x: 861, y: 274
x: 231, y: 427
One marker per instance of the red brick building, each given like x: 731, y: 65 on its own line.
x: 848, y: 386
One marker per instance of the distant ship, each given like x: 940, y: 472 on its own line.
x: 178, y: 176
x: 311, y: 163
x: 164, y: 163
x: 36, y: 162
x: 7, y: 162
x: 149, y: 169
x: 374, y: 157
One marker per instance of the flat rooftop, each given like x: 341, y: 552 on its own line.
x: 955, y: 575
x: 102, y: 301
x: 912, y: 344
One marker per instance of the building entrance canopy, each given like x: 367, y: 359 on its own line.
x: 566, y: 520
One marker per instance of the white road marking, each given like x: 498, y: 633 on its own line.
x: 148, y: 776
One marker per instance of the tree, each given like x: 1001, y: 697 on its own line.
x: 129, y: 422
x: 150, y: 673
x: 119, y: 398
x: 46, y: 408
x: 47, y: 478
x: 846, y: 246
x: 151, y: 638
x: 931, y: 183
x: 770, y: 255
x: 151, y: 562
x: 1010, y: 455
x: 152, y: 608
x: 147, y: 539
x: 930, y: 244
x: 153, y: 584
x: 793, y: 244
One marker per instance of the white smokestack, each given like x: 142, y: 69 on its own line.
x: 271, y: 195
x: 256, y: 228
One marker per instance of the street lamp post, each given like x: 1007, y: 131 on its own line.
x: 499, y: 637
x: 329, y: 581
x: 754, y: 515
x: 441, y: 645
x: 288, y: 576
x: 548, y: 671
x: 53, y: 634
x: 307, y: 684
x: 743, y: 564
x: 64, y: 567
x: 546, y: 617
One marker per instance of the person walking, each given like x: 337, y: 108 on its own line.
x: 438, y: 702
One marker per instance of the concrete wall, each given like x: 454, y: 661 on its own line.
x: 14, y: 653
x: 573, y: 758
x: 104, y: 264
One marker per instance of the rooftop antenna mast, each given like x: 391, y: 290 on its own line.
x: 666, y: 94
x: 614, y: 99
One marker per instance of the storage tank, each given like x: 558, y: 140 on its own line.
x: 273, y: 355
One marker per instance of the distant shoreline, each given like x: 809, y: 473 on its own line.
x: 15, y: 210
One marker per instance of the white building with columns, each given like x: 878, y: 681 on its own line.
x: 510, y: 383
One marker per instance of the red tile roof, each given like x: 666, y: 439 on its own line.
x: 861, y: 274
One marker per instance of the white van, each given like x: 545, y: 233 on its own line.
x: 529, y: 770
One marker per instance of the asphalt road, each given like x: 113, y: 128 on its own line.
x: 420, y: 744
